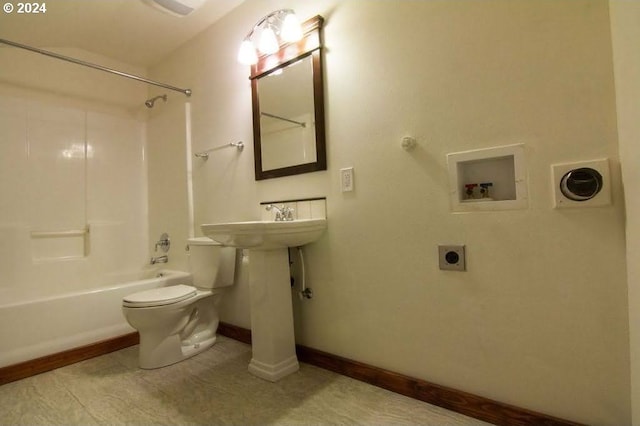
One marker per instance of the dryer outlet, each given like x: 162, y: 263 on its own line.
x: 452, y: 258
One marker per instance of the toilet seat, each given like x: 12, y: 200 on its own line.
x: 159, y: 296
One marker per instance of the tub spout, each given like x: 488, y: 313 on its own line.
x: 159, y: 259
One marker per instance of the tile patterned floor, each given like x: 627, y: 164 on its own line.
x: 212, y: 388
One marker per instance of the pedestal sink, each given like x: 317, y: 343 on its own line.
x: 273, y: 341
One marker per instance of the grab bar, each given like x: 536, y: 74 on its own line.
x: 57, y: 234
x: 205, y: 154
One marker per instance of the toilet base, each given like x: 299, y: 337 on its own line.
x: 274, y: 372
x: 189, y: 350
x: 154, y: 355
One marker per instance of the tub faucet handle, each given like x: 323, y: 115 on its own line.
x: 164, y: 243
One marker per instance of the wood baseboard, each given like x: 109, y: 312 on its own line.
x: 234, y: 332
x: 71, y: 356
x: 465, y: 403
x: 462, y: 402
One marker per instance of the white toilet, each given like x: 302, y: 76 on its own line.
x: 180, y: 321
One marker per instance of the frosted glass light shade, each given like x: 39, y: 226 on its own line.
x: 247, y: 54
x: 268, y: 42
x: 280, y: 26
x: 291, y: 30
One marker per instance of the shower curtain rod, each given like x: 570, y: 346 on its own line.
x: 299, y: 123
x: 187, y: 92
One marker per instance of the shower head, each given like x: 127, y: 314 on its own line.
x: 149, y: 102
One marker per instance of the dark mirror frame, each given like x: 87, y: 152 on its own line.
x: 310, y: 45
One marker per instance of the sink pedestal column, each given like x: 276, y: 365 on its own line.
x: 272, y: 336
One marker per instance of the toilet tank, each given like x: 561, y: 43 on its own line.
x: 211, y: 264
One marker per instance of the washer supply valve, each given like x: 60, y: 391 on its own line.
x: 484, y: 189
x: 469, y: 189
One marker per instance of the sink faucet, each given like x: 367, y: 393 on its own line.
x: 159, y: 259
x: 283, y: 213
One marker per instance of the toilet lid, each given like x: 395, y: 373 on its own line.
x: 159, y: 296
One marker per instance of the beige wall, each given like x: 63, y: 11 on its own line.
x: 539, y: 320
x: 625, y: 27
x: 80, y: 86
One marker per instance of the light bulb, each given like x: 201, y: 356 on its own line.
x: 291, y: 30
x: 247, y: 54
x: 268, y: 42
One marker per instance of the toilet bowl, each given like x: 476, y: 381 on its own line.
x: 179, y: 321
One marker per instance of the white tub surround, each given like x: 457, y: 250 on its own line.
x: 34, y: 327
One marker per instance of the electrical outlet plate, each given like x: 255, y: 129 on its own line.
x: 452, y: 258
x: 346, y: 179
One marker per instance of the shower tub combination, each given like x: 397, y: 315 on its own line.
x: 37, y: 322
x: 33, y: 327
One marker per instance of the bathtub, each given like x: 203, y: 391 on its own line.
x: 31, y: 326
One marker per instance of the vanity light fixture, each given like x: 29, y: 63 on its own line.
x: 280, y: 26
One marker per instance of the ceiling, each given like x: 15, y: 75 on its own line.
x: 131, y: 31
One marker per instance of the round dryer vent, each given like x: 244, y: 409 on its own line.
x: 581, y: 184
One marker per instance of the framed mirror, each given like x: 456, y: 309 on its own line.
x: 287, y: 93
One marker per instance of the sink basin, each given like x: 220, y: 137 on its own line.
x: 266, y: 235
